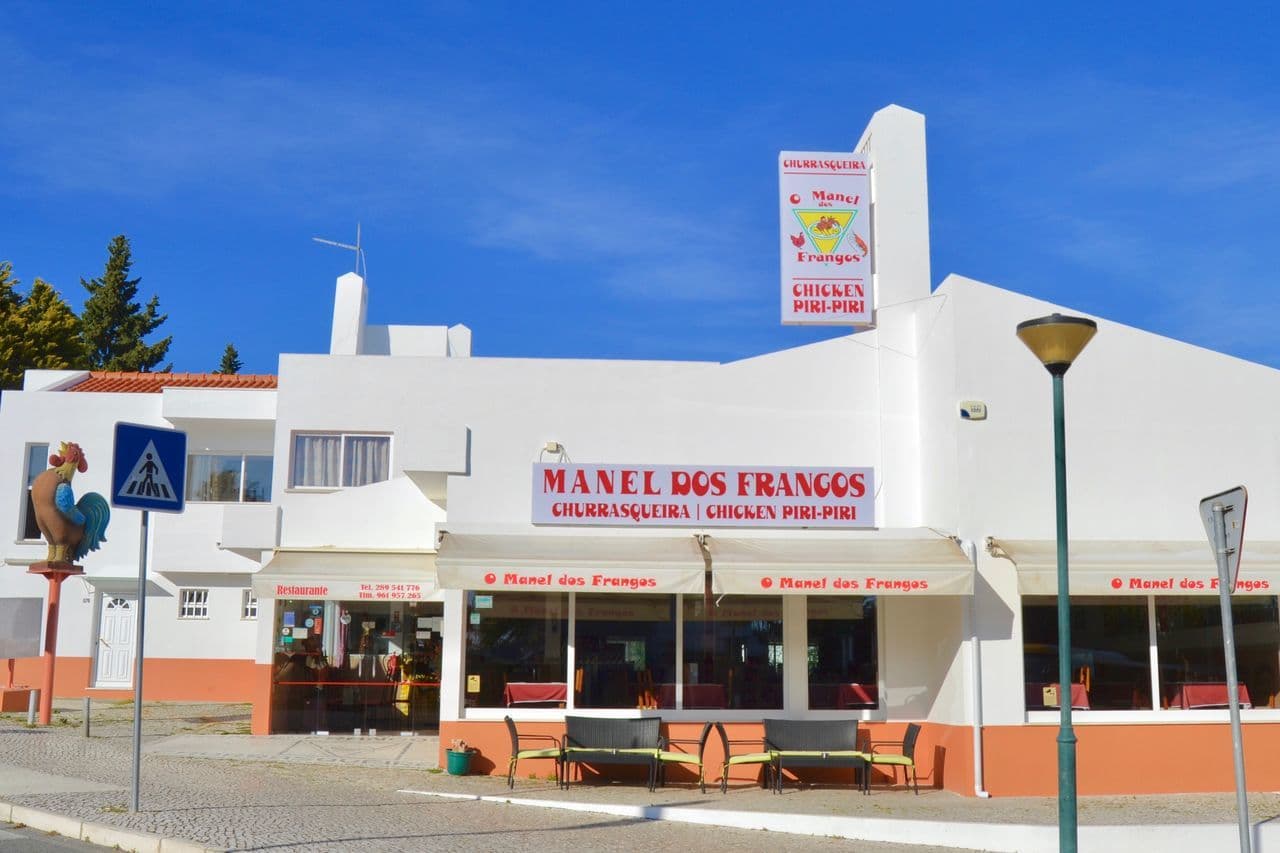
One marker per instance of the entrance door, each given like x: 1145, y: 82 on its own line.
x: 116, y: 631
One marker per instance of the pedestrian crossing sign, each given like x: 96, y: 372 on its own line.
x: 149, y: 467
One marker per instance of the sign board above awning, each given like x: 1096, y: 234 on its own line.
x: 1137, y: 567
x: 887, y: 562
x: 348, y: 576
x: 549, y: 563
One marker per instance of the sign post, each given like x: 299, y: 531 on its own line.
x: 1223, y: 517
x: 148, y: 472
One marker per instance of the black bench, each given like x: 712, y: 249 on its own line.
x: 603, y: 740
x: 814, y: 743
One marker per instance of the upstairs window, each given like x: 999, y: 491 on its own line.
x: 248, y: 605
x: 332, y: 460
x: 228, y: 478
x: 37, y: 461
x: 193, y: 604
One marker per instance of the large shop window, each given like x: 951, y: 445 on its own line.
x: 332, y: 460
x: 626, y: 648
x: 1112, y: 652
x: 228, y: 478
x: 842, y: 652
x: 516, y: 638
x: 732, y: 653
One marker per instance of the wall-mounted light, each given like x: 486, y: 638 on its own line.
x: 554, y: 449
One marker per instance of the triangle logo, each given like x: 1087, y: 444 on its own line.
x: 826, y: 228
x: 148, y: 479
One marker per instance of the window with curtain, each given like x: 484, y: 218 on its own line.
x: 333, y: 460
x: 37, y: 462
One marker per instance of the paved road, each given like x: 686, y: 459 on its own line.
x: 16, y: 839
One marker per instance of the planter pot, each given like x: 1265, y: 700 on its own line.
x: 459, y: 763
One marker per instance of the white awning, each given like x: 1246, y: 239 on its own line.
x: 915, y: 561
x: 1137, y: 567
x: 348, y: 575
x: 571, y: 563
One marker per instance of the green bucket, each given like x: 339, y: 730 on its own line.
x: 459, y: 763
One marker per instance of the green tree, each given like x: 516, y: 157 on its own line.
x: 10, y: 328
x: 50, y: 330
x: 231, y: 362
x: 112, y: 326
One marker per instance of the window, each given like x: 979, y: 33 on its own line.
x: 193, y: 604
x: 248, y: 605
x: 330, y: 460
x: 514, y: 637
x: 732, y: 653
x: 841, y: 654
x: 626, y: 649
x: 228, y: 478
x: 1113, y: 650
x: 37, y: 462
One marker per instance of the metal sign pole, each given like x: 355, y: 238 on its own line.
x: 1229, y: 649
x: 137, y: 669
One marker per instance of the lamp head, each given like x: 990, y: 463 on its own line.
x: 1057, y: 339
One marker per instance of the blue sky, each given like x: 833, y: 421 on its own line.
x: 599, y: 180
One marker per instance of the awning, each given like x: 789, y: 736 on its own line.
x: 348, y: 575
x: 913, y: 561
x: 1136, y: 567
x: 570, y: 563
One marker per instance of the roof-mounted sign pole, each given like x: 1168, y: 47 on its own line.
x: 148, y: 472
x: 1223, y: 517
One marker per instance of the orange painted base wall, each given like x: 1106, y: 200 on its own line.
x: 944, y: 753
x: 163, y: 679
x: 1022, y: 761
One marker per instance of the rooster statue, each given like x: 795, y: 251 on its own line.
x: 72, y: 529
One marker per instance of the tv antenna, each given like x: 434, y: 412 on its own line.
x: 361, y: 263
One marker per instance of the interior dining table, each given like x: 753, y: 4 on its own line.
x: 535, y: 693
x: 1206, y: 694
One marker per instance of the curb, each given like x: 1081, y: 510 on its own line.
x: 100, y: 834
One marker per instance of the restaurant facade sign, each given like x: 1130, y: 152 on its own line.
x: 702, y: 496
x: 666, y: 581
x: 825, y: 238
x: 1143, y: 582
x: 347, y: 590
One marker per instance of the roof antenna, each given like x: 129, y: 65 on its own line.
x: 361, y: 262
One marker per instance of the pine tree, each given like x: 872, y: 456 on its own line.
x: 113, y: 326
x: 50, y: 330
x: 231, y: 362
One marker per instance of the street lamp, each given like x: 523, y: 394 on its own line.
x: 1056, y: 340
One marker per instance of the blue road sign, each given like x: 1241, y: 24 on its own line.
x: 149, y: 468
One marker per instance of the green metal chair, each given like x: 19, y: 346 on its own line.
x: 763, y: 758
x: 556, y: 752
x: 666, y: 757
x: 906, y: 759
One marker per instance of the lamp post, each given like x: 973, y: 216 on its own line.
x: 1056, y: 340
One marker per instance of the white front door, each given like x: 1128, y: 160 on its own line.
x: 116, y: 631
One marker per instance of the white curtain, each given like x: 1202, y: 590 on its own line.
x: 367, y: 459
x: 316, y: 459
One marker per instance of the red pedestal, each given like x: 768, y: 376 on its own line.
x: 55, y: 573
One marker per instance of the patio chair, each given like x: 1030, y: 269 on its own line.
x: 666, y: 757
x: 764, y: 758
x: 906, y: 758
x: 556, y: 752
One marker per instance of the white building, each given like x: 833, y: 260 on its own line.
x: 453, y: 539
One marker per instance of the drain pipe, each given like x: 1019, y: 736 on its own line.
x: 975, y: 667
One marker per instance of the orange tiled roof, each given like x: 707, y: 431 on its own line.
x: 151, y: 383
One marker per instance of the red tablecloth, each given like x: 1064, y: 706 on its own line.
x: 1036, y: 701
x: 857, y: 695
x: 526, y: 692
x: 1209, y: 694
x: 695, y: 696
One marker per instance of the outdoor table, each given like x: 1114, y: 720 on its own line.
x: 535, y: 692
x: 695, y: 696
x: 1206, y: 694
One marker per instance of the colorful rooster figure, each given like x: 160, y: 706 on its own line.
x: 72, y: 529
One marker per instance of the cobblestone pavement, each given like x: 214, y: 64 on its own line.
x: 245, y: 805
x: 231, y: 803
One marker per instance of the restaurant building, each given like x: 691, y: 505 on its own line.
x: 861, y: 527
